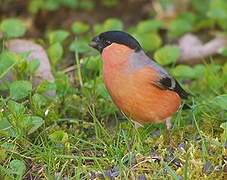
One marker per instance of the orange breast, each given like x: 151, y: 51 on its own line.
x: 134, y: 93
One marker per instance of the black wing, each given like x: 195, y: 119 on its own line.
x: 171, y: 84
x: 141, y: 60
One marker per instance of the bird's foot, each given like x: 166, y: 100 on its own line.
x: 137, y: 125
x: 169, y: 132
x: 168, y: 123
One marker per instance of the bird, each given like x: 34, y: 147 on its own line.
x: 141, y: 88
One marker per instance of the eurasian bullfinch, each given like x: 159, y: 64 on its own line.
x: 140, y: 88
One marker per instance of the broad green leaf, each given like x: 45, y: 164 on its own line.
x: 149, y: 41
x: 204, y: 24
x: 7, y: 61
x: 108, y: 25
x: 6, y: 129
x: 223, y: 51
x: 59, y: 136
x: 212, y: 76
x: 51, y: 5
x: 18, y: 167
x: 4, y: 123
x: 33, y: 65
x: 62, y: 84
x: 187, y: 16
x: 55, y: 52
x: 79, y: 46
x: 20, y: 89
x: 80, y: 27
x: 218, y: 12
x: 201, y: 6
x: 183, y: 71
x: 32, y: 123
x: 221, y: 101
x: 213, y: 68
x: 45, y: 86
x: 70, y: 3
x: 12, y: 28
x: 112, y: 24
x: 167, y: 55
x: 87, y: 4
x: 199, y: 71
x: 57, y: 36
x: 17, y: 109
x: 92, y: 63
x: 35, y: 5
x: 98, y: 28
x: 8, y: 146
x: 218, y: 9
x: 188, y: 72
x: 178, y: 27
x: 38, y: 100
x: 149, y: 26
x: 101, y: 90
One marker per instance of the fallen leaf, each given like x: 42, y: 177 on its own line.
x: 193, y: 50
x: 36, y: 51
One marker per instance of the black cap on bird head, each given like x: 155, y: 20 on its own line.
x: 107, y: 38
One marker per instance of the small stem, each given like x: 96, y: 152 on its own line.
x: 2, y: 40
x: 204, y: 150
x: 79, y: 74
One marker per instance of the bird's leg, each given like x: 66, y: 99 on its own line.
x: 169, y: 127
x: 135, y: 134
x: 168, y: 123
x: 137, y: 125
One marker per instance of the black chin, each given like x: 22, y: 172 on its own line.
x: 100, y: 48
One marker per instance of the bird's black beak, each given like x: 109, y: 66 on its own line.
x: 95, y: 42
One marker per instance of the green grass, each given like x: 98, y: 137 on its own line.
x: 94, y: 149
x: 80, y: 134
